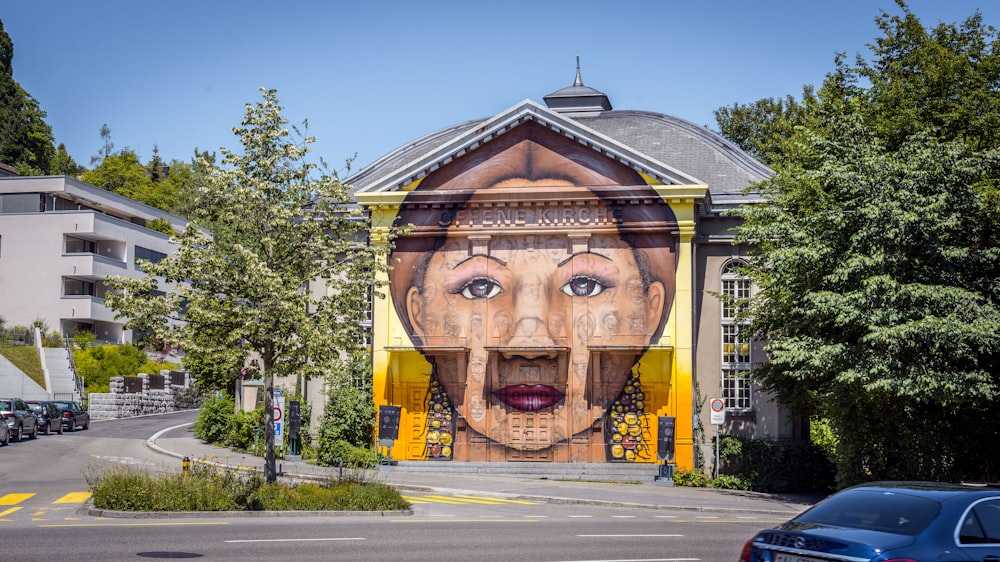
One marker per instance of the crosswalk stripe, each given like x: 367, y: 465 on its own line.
x: 14, y: 499
x: 74, y: 497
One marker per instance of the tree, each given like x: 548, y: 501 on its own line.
x: 877, y: 259
x: 122, y: 173
x: 63, y: 164
x: 26, y: 141
x: 763, y: 128
x: 245, y: 294
x: 106, y: 146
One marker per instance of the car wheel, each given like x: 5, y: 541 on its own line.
x: 86, y: 425
x: 34, y: 432
x: 17, y: 434
x: 72, y: 425
x: 6, y: 438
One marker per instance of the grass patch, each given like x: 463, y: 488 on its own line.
x: 25, y: 358
x: 210, y: 488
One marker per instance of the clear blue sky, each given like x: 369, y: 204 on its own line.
x: 371, y: 76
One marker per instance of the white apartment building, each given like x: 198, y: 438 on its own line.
x: 59, y: 239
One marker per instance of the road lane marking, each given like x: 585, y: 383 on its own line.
x: 627, y: 536
x: 173, y: 524
x: 8, y: 511
x: 14, y: 499
x: 466, y: 521
x: 74, y: 497
x: 297, y: 540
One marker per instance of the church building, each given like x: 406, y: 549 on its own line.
x: 556, y: 296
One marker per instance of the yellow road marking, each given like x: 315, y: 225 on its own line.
x: 428, y: 499
x: 74, y: 497
x: 499, y: 500
x: 463, y: 499
x: 9, y: 511
x: 14, y: 499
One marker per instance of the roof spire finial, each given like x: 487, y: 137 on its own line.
x: 578, y: 81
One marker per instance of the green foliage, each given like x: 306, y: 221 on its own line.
x: 97, y: 364
x: 83, y: 339
x: 121, y: 173
x: 335, y: 453
x: 279, y: 226
x: 25, y: 358
x: 246, y: 431
x: 877, y: 256
x: 215, y: 417
x: 26, y: 140
x: 161, y: 225
x: 211, y: 488
x: 52, y: 339
x: 350, y: 410
x: 768, y: 466
x: 690, y: 478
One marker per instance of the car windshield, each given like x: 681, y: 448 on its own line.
x: 886, y: 511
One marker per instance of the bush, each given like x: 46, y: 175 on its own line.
x: 770, y: 466
x: 691, y: 478
x: 209, y: 488
x: 97, y: 364
x: 355, y: 457
x: 214, y: 419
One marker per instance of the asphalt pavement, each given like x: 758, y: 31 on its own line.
x: 179, y: 442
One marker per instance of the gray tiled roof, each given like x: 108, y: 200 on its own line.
x: 692, y: 149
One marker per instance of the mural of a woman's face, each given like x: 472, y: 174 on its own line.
x: 533, y: 313
x: 532, y: 310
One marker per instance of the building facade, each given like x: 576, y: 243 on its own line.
x: 556, y: 296
x: 59, y: 239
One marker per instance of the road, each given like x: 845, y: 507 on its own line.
x: 443, y: 527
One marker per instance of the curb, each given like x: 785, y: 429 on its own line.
x: 151, y: 443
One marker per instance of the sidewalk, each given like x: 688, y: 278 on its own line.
x: 179, y: 442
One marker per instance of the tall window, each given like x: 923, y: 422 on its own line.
x: 736, y: 343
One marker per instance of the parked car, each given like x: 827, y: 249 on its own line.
x: 73, y: 415
x: 886, y: 522
x: 48, y: 414
x: 4, y: 434
x: 19, y: 417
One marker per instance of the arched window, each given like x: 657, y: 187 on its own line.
x: 736, y: 343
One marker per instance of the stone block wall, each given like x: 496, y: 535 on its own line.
x: 148, y: 400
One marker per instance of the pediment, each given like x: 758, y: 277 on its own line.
x: 529, y: 128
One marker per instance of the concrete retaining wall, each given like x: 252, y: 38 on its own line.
x: 150, y: 400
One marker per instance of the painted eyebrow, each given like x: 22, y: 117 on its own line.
x: 567, y: 260
x: 491, y: 258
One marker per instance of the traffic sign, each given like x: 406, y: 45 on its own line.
x: 718, y: 407
x: 279, y: 415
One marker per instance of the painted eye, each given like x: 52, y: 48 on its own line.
x: 583, y: 286
x: 481, y: 288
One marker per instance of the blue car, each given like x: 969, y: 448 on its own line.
x: 888, y: 522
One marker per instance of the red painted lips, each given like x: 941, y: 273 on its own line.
x: 529, y: 398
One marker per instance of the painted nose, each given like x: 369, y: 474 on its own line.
x: 531, y: 308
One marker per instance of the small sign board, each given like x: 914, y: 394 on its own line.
x: 279, y: 416
x: 388, y: 422
x: 718, y: 408
x: 665, y: 440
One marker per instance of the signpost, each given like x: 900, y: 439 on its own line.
x: 279, y: 416
x: 718, y: 407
